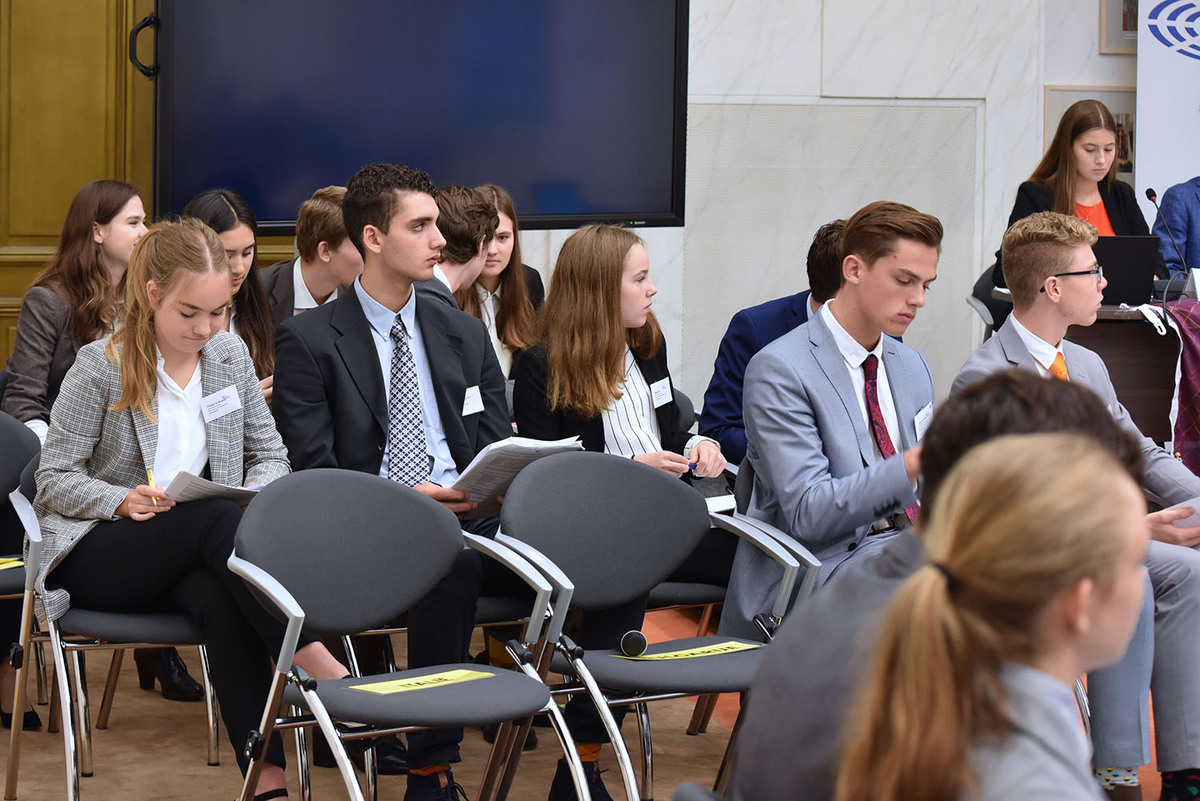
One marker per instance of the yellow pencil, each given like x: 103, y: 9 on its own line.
x: 150, y: 481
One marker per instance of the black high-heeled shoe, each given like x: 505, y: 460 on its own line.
x: 166, y: 666
x: 30, y: 721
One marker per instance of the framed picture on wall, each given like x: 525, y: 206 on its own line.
x: 1120, y: 100
x: 1118, y: 26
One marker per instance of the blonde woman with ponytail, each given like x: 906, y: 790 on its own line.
x: 170, y: 391
x: 1035, y: 576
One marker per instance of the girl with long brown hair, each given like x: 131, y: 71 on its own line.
x: 224, y: 211
x: 1036, y: 545
x: 1078, y: 176
x: 135, y: 410
x: 507, y: 293
x: 599, y: 372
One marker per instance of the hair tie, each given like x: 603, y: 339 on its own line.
x: 951, y: 581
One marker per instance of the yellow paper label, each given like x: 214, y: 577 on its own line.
x: 422, y: 682
x: 729, y: 647
x: 7, y: 563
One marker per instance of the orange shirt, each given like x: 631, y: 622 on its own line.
x: 1098, y: 216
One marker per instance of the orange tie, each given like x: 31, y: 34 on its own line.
x: 1059, y: 368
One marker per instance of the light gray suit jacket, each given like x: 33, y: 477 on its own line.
x: 94, y: 456
x: 1166, y: 477
x: 816, y: 474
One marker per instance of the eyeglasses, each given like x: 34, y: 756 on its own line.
x: 1097, y: 271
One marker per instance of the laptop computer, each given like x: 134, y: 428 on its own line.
x: 1128, y: 263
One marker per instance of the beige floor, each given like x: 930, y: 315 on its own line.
x: 155, y: 749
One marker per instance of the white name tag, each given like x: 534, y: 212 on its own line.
x: 220, y: 403
x: 472, y: 401
x: 921, y: 421
x: 660, y: 392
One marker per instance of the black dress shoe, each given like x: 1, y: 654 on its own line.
x: 165, y: 666
x: 30, y: 721
x: 563, y: 789
x: 391, y: 757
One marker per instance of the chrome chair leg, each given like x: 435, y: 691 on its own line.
x: 643, y: 719
x: 110, y: 688
x: 302, y: 758
x: 67, y: 713
x: 210, y: 711
x: 83, y: 720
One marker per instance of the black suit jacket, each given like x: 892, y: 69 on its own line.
x: 276, y: 281
x: 535, y: 420
x: 330, y: 403
x: 1120, y: 202
x: 533, y: 281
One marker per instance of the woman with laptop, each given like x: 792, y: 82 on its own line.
x: 1078, y: 176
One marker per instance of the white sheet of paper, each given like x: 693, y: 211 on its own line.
x: 495, y: 467
x: 472, y: 401
x: 220, y: 403
x: 188, y: 487
x: 1194, y: 518
x: 921, y: 421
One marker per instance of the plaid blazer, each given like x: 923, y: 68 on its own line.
x: 94, y: 456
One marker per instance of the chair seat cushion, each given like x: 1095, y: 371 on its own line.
x: 159, y: 628
x: 720, y: 673
x: 12, y: 581
x: 487, y: 695
x: 684, y: 593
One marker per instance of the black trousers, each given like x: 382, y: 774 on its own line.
x: 12, y: 537
x: 600, y: 629
x: 176, y: 562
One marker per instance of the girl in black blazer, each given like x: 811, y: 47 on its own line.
x: 599, y: 372
x: 1078, y: 176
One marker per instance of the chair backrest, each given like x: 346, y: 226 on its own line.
x: 3, y: 380
x: 354, y: 550
x: 18, y: 444
x: 687, y: 410
x: 614, y: 526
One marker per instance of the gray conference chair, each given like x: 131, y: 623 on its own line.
x: 362, y: 578
x: 82, y: 630
x: 614, y: 529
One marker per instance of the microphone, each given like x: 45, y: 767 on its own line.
x: 633, y: 643
x: 1152, y: 196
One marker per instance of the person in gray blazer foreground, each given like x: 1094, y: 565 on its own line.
x: 1056, y: 283
x: 835, y: 409
x: 791, y: 732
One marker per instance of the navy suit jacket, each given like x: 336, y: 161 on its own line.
x: 330, y: 403
x: 749, y: 331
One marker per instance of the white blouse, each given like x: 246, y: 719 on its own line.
x: 182, y: 443
x: 489, y: 309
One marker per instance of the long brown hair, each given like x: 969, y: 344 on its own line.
x: 581, y: 325
x: 167, y: 250
x: 75, y: 272
x: 514, y: 322
x: 935, y: 682
x: 1057, y: 168
x: 223, y: 210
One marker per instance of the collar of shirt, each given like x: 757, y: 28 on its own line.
x: 441, y: 276
x: 380, y: 317
x: 169, y: 384
x: 1043, y: 352
x: 303, y: 299
x: 489, y: 302
x: 854, y: 353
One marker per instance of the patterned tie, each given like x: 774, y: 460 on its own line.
x: 408, y: 463
x: 875, y: 416
x: 1059, y: 368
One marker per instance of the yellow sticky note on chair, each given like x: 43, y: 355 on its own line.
x: 422, y: 682
x: 9, y: 562
x: 729, y: 647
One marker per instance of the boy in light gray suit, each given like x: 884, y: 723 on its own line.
x: 835, y: 409
x: 1056, y: 283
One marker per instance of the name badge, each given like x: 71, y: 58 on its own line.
x: 220, y: 403
x: 472, y: 401
x: 921, y: 421
x: 660, y: 392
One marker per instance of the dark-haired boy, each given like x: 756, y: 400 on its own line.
x: 389, y: 383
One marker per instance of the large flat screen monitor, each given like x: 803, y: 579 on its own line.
x: 577, y: 107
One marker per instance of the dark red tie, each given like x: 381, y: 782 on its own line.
x: 875, y: 416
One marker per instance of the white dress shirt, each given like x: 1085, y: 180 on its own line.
x: 855, y: 354
x: 631, y: 425
x: 182, y: 443
x: 442, y: 469
x: 302, y: 298
x: 489, y: 309
x: 1043, y: 352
